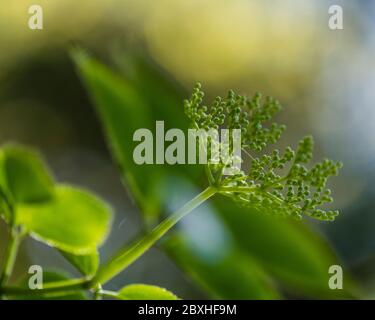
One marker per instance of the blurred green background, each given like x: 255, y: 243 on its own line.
x: 324, y: 79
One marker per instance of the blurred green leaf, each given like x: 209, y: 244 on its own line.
x: 164, y: 99
x: 289, y: 250
x: 73, y: 220
x: 24, y: 177
x: 164, y: 96
x: 125, y: 105
x: 49, y: 276
x: 122, y: 111
x: 145, y: 292
x: 233, y: 276
x: 86, y: 264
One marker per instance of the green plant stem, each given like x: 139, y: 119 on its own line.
x: 110, y: 294
x: 60, y: 287
x: 97, y: 292
x: 10, y: 256
x: 129, y: 254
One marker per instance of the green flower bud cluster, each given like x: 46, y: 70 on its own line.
x: 193, y: 108
x: 257, y: 136
x: 270, y: 192
x: 305, y: 150
x: 237, y: 112
x: 299, y: 191
x: 277, y: 184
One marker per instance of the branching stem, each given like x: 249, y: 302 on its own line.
x: 129, y: 254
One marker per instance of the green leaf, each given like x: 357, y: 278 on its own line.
x: 164, y: 97
x: 122, y: 111
x: 25, y: 176
x: 289, y: 250
x: 145, y: 292
x: 125, y: 105
x: 234, y: 276
x: 48, y: 277
x: 86, y: 264
x: 73, y: 220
